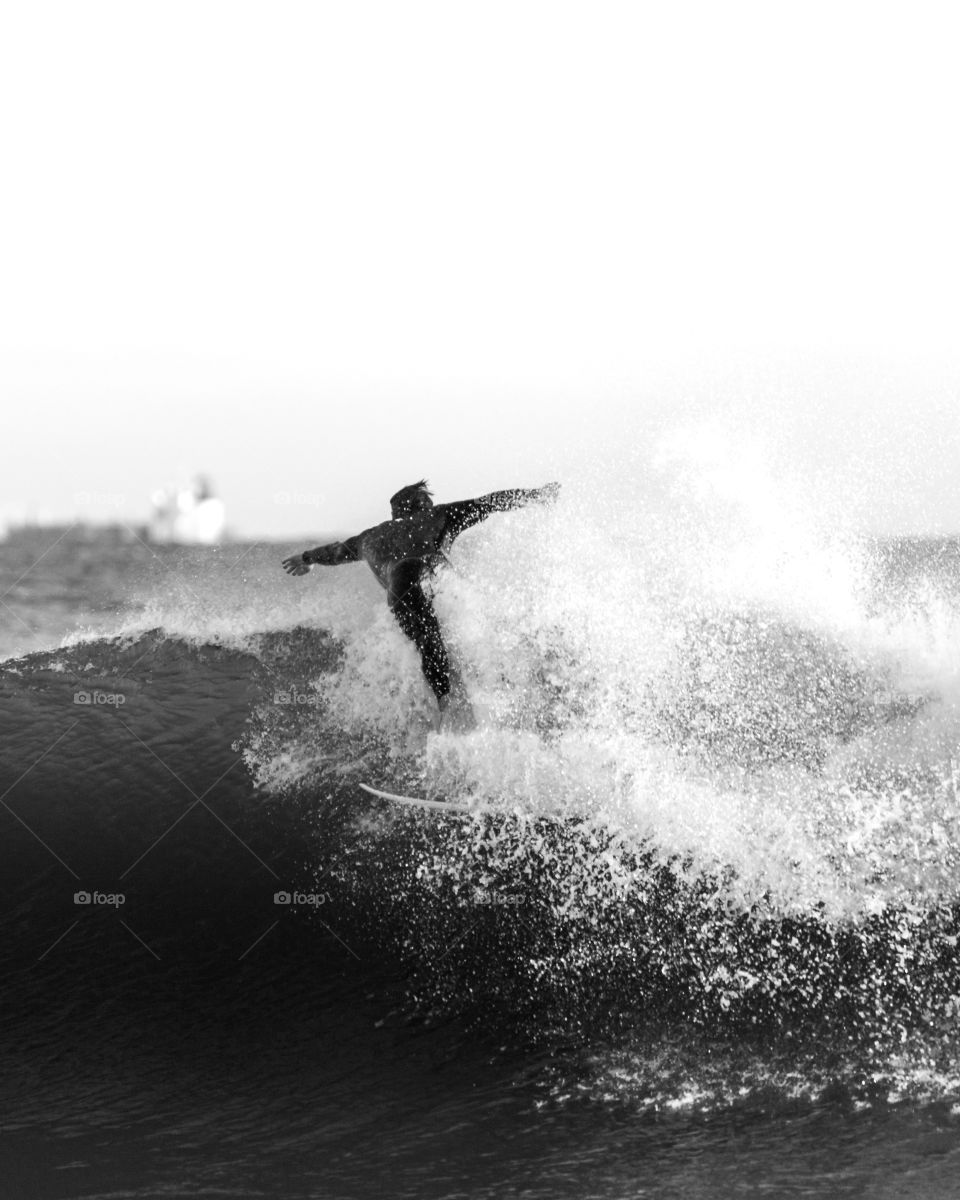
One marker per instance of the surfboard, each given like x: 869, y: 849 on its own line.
x: 415, y: 801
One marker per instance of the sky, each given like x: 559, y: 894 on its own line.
x: 320, y: 250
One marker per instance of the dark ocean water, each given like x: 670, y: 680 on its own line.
x: 705, y: 945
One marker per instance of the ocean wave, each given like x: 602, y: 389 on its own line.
x: 722, y: 801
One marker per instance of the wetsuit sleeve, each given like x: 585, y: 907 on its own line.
x: 335, y: 553
x: 461, y: 514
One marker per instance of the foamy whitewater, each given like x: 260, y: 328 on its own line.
x: 713, y: 860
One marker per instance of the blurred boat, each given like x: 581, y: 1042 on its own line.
x: 189, y: 516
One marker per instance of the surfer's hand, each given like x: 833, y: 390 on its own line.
x: 549, y: 492
x: 294, y: 565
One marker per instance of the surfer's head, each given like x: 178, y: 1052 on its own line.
x: 414, y: 498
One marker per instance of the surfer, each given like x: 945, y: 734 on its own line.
x: 405, y: 551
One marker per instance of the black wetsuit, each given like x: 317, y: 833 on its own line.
x: 404, y: 551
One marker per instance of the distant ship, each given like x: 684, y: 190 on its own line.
x: 188, y: 516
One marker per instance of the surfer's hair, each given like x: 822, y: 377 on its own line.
x: 413, y: 498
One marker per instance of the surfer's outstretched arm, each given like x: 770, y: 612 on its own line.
x: 331, y: 555
x: 461, y: 514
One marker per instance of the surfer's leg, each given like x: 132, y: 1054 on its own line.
x: 416, y: 618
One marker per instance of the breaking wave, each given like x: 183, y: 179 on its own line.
x: 715, y: 776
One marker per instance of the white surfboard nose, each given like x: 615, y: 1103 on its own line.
x: 449, y: 806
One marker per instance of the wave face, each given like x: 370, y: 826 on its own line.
x: 719, y: 742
